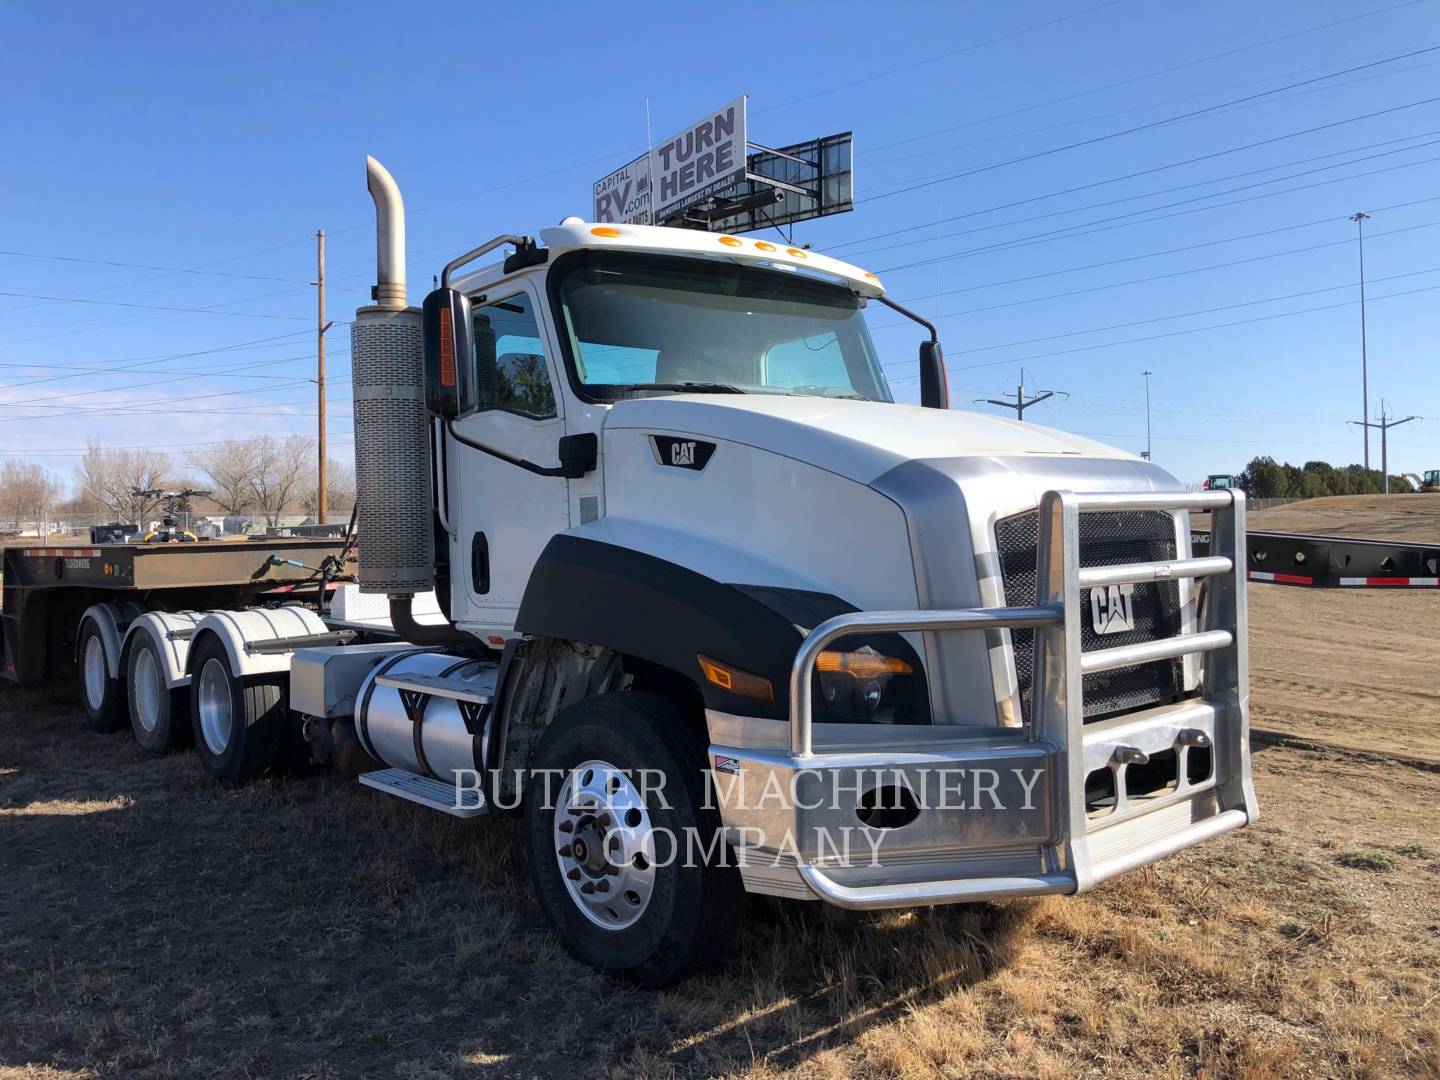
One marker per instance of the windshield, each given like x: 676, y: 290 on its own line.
x: 646, y: 323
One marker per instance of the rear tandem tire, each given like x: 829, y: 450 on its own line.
x: 689, y: 915
x: 100, y: 694
x: 159, y: 716
x: 242, y: 726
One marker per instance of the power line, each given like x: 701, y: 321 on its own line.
x: 1148, y: 75
x: 1192, y: 247
x: 1192, y: 330
x: 941, y: 56
x: 1174, y: 274
x: 82, y: 451
x: 1189, y: 314
x: 134, y: 363
x: 1004, y: 136
x: 1148, y: 126
x: 148, y: 307
x: 1149, y: 194
x: 1121, y: 221
x: 144, y: 266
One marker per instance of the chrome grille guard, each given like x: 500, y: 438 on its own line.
x: 1219, y: 719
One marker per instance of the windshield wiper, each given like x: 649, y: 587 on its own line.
x: 688, y: 387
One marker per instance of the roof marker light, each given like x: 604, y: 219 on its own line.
x: 871, y: 277
x: 604, y: 230
x: 730, y: 241
x: 796, y: 252
x: 765, y: 245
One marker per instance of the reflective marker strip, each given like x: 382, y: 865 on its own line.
x: 1403, y: 582
x: 64, y: 553
x: 1288, y: 579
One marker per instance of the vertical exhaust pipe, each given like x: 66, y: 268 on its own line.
x: 389, y: 289
x: 392, y: 433
x: 393, y: 481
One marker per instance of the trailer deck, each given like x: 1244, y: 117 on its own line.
x: 46, y: 588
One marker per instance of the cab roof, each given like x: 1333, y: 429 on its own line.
x: 575, y: 235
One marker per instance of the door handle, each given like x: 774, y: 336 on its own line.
x: 480, y: 564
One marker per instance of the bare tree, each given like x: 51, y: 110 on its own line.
x: 281, y: 466
x: 111, y: 477
x: 229, y: 471
x: 340, y: 490
x: 27, y: 492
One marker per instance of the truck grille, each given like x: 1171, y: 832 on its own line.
x: 1107, y: 538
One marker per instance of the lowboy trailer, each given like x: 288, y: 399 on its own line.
x: 708, y: 604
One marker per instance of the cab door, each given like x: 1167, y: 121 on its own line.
x: 503, y: 512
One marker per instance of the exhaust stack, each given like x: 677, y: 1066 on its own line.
x: 392, y: 432
x: 389, y: 235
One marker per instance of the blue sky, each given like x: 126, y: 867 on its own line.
x: 990, y: 145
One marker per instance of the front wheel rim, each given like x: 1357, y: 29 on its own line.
x: 145, y: 681
x: 216, y: 721
x: 96, y: 674
x: 605, y: 845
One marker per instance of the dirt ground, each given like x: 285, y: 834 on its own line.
x: 154, y: 925
x: 1367, y: 517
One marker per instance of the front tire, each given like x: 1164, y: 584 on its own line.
x: 159, y: 716
x: 242, y: 726
x: 100, y: 694
x: 634, y: 877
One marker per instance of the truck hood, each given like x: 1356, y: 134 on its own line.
x: 860, y: 440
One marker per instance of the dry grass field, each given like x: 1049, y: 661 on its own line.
x: 153, y: 925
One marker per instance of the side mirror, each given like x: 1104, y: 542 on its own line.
x: 934, y: 383
x: 448, y: 340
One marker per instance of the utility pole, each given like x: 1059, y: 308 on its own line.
x: 321, y: 480
x: 1360, y: 217
x: 1384, y: 424
x: 1021, y: 403
x: 1148, y: 450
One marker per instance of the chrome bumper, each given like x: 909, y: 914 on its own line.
x: 1038, y: 838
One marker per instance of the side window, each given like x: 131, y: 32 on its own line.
x: 511, y: 373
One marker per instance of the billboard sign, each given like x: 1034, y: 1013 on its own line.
x: 623, y: 197
x: 708, y: 156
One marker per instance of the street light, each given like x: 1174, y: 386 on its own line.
x: 1360, y: 217
x: 1148, y: 448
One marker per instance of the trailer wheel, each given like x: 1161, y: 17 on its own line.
x: 241, y: 726
x: 158, y: 715
x: 100, y: 693
x: 632, y: 876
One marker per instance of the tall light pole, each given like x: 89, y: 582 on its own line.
x: 1149, y: 456
x: 1360, y: 217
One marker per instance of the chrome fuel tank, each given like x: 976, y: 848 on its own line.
x: 419, y: 728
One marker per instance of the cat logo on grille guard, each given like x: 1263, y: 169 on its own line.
x: 1112, y: 609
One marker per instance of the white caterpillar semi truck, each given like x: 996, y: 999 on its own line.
x: 648, y: 553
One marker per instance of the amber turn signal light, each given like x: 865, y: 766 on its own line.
x: 734, y: 680
x: 861, y: 665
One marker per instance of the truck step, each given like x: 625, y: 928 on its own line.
x: 436, y: 794
x: 476, y: 690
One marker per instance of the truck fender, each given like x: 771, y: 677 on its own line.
x: 171, y: 632
x: 237, y: 630
x: 640, y: 605
x: 110, y: 621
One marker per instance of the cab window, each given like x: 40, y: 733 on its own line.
x: 511, y: 372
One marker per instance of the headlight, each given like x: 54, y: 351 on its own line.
x: 866, y: 686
